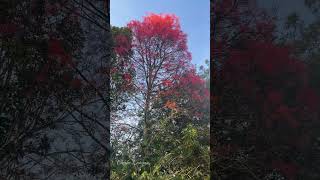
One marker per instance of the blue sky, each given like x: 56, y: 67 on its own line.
x: 194, y: 18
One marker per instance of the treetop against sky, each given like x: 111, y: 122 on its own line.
x: 194, y: 20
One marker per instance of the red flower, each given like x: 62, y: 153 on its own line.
x: 127, y: 77
x: 122, y: 45
x: 166, y: 82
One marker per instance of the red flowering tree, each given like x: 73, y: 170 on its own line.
x: 160, y: 53
x: 262, y: 98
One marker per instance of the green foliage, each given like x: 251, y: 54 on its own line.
x: 121, y: 31
x: 175, y: 155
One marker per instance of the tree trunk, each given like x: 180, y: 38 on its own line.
x: 146, y: 126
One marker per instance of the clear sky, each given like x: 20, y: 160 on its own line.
x: 194, y: 18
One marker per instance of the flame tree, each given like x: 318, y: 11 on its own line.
x: 160, y: 53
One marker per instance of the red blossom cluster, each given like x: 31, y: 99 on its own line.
x: 276, y: 84
x: 266, y: 73
x: 190, y: 86
x: 123, y: 45
x: 124, y: 71
x: 163, y: 26
x: 127, y: 77
x: 167, y: 83
x: 58, y: 53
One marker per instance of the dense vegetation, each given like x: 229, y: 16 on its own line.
x: 266, y: 99
x: 49, y: 84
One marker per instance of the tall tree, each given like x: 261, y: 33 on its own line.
x: 159, y: 53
